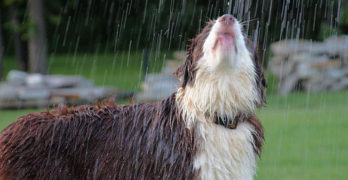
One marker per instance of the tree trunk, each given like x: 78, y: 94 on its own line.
x: 1, y: 50
x: 20, y: 45
x: 37, y: 40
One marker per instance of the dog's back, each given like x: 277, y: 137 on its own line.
x: 141, y: 141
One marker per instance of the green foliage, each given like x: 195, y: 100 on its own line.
x: 8, y: 2
x: 15, y: 8
x: 343, y: 21
x: 118, y: 25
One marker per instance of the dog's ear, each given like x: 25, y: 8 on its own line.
x: 186, y: 72
x: 261, y: 82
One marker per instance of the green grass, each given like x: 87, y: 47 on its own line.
x: 306, y: 137
x: 9, y: 116
x: 119, y: 70
x: 306, y: 134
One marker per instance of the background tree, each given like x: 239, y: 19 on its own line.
x: 1, y: 47
x: 20, y: 45
x: 37, y: 38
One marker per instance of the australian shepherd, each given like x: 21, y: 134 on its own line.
x: 207, y: 129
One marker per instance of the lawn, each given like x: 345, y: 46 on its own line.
x: 122, y: 70
x: 306, y: 137
x: 306, y: 134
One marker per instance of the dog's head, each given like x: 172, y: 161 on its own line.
x: 221, y: 47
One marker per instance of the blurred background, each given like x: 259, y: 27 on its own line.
x: 77, y: 51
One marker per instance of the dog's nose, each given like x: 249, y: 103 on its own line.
x: 227, y: 19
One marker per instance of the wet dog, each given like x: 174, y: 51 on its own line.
x: 205, y: 130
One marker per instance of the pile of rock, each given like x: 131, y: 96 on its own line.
x: 311, y: 66
x: 158, y: 86
x: 23, y: 90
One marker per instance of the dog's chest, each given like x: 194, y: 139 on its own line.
x: 225, y: 153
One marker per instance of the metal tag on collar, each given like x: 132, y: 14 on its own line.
x: 228, y: 122
x: 234, y: 123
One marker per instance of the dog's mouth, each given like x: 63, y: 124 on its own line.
x: 225, y: 34
x: 225, y: 41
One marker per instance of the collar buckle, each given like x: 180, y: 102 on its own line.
x: 228, y: 122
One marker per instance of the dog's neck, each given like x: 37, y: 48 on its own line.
x: 225, y: 93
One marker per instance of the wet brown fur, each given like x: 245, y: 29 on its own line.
x: 261, y: 82
x: 186, y: 73
x: 140, y: 141
x: 257, y: 134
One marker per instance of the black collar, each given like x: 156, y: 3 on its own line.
x: 228, y: 122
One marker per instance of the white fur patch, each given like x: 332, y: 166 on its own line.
x: 225, y: 93
x: 222, y: 153
x: 224, y: 85
x: 225, y: 153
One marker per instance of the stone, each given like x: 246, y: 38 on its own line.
x: 157, y: 87
x: 36, y: 90
x: 33, y: 93
x: 315, y: 66
x: 171, y: 66
x: 16, y: 77
x: 63, y: 81
x: 35, y: 80
x: 180, y: 55
x: 85, y: 94
x: 23, y: 104
x: 8, y: 92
